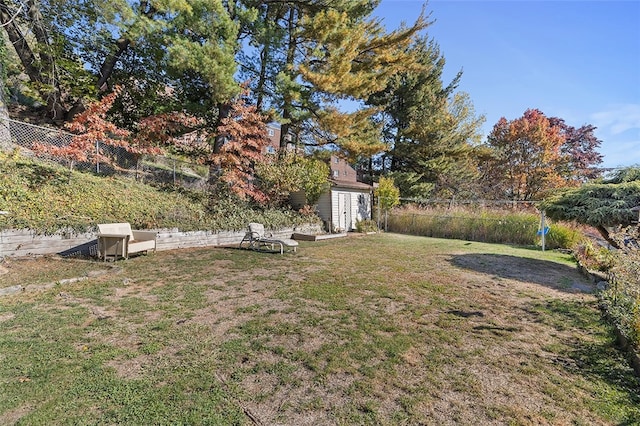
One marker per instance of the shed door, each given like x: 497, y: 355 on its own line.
x: 344, y: 211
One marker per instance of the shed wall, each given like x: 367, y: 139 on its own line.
x: 358, y: 204
x: 324, y: 207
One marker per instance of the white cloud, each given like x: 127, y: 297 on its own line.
x: 621, y: 153
x: 618, y: 118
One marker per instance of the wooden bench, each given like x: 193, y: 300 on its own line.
x: 118, y: 239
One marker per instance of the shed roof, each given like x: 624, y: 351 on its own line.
x: 350, y: 184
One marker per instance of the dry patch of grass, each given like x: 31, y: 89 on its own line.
x: 35, y: 272
x: 382, y: 329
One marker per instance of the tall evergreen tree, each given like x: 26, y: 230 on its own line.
x: 321, y: 54
x: 431, y: 130
x: 82, y: 48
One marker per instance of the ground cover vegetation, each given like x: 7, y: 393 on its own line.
x: 47, y: 198
x: 610, y: 205
x: 433, y: 332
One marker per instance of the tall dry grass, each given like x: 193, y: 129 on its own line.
x: 490, y: 225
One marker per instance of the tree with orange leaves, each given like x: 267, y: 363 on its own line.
x: 89, y: 127
x: 93, y: 131
x: 526, y: 159
x: 245, y: 134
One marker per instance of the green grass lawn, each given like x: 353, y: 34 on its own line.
x: 379, y: 329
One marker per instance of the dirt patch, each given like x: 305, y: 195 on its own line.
x: 129, y: 369
x: 7, y: 316
x: 13, y: 416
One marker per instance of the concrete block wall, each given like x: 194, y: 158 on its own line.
x: 23, y: 242
x: 20, y: 243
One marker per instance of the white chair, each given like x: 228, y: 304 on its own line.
x: 118, y: 239
x: 257, y: 239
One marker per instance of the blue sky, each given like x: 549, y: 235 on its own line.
x: 576, y: 60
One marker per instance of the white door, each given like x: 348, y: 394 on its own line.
x: 344, y: 211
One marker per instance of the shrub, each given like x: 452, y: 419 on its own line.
x: 622, y: 299
x: 593, y: 257
x: 366, y: 225
x: 563, y: 235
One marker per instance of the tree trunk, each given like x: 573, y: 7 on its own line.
x: 5, y: 133
x: 19, y: 43
x: 46, y: 76
x: 288, y: 99
x: 605, y: 234
x: 265, y: 55
x: 110, y: 62
x: 214, y: 170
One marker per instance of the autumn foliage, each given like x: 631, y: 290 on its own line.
x: 89, y: 127
x: 93, y: 131
x: 154, y: 133
x: 246, y: 137
x: 244, y: 132
x: 534, y: 154
x: 161, y: 130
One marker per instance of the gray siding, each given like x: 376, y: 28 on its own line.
x: 324, y: 207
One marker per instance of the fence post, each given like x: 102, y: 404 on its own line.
x: 543, y: 226
x: 97, y: 158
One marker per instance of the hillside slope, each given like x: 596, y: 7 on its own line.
x: 47, y: 197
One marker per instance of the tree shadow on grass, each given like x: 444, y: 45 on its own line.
x: 594, y: 357
x: 542, y: 272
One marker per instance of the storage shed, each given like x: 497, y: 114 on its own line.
x: 344, y: 204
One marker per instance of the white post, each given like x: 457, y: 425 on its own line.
x: 543, y: 226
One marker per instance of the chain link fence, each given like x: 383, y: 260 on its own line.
x: 146, y: 168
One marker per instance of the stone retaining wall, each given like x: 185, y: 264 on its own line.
x: 19, y: 243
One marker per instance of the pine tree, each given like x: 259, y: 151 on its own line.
x: 610, y: 205
x: 431, y: 130
x: 320, y: 54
